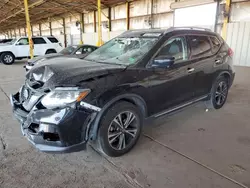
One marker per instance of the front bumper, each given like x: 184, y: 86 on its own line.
x: 58, y: 131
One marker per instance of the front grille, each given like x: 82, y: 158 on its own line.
x: 29, y: 97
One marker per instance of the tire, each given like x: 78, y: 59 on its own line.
x: 7, y: 58
x: 50, y: 51
x: 113, y: 140
x: 218, y: 94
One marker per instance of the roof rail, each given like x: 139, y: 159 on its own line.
x: 193, y: 28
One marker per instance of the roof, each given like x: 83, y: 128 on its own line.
x: 141, y: 32
x: 159, y: 32
x: 12, y: 11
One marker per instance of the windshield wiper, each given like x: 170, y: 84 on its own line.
x: 104, y: 62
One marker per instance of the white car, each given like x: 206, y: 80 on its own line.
x: 19, y: 48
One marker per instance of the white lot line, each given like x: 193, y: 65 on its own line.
x: 1, y: 89
x: 117, y: 169
x: 195, y: 161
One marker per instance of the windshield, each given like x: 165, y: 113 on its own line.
x: 12, y: 41
x: 68, y: 50
x: 124, y: 51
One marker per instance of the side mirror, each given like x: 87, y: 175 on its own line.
x: 163, y: 62
x: 78, y: 53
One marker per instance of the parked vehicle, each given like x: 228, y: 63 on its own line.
x: 77, y: 51
x: 107, y: 96
x: 19, y: 48
x: 2, y: 41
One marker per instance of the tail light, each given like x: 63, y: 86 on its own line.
x: 230, y: 52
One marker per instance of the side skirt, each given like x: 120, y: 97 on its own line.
x: 180, y: 106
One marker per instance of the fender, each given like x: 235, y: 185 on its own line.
x: 138, y: 100
x: 224, y: 73
x: 8, y: 52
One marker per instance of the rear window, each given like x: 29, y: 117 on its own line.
x: 38, y: 41
x: 200, y: 46
x: 215, y: 44
x: 53, y: 39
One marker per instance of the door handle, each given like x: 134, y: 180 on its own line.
x: 190, y: 70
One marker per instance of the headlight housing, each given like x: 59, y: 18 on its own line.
x: 61, y: 97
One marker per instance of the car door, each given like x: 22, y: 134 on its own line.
x: 40, y: 46
x: 22, y: 47
x: 172, y: 86
x: 202, y: 60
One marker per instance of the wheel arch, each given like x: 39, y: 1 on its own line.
x: 50, y: 49
x: 225, y: 74
x: 8, y: 52
x: 132, y: 98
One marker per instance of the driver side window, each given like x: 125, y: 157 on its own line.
x: 23, y: 41
x: 176, y: 48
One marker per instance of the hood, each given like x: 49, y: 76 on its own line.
x: 5, y: 47
x: 69, y: 72
x: 4, y: 44
x: 43, y: 58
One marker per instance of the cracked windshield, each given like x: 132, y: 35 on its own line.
x: 124, y: 51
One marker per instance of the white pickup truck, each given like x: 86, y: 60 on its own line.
x: 19, y: 48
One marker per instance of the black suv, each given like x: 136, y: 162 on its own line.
x: 64, y: 103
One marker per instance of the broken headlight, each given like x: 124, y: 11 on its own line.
x: 61, y: 97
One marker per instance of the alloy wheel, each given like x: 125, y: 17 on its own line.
x: 8, y: 58
x: 221, y: 93
x: 122, y: 130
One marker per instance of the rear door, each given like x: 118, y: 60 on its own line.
x: 202, y: 59
x: 40, y: 46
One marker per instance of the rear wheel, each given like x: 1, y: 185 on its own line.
x: 120, y: 129
x: 51, y: 51
x: 7, y: 58
x: 219, y: 93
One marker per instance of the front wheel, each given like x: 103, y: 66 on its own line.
x: 7, y: 58
x: 120, y: 129
x: 219, y: 93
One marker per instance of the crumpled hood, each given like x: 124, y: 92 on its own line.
x: 69, y: 72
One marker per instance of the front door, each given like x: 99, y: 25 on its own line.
x: 172, y: 86
x: 22, y: 47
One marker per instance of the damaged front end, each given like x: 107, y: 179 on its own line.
x: 53, y: 120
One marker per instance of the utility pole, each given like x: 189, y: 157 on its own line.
x: 226, y: 19
x: 99, y: 42
x: 29, y: 28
